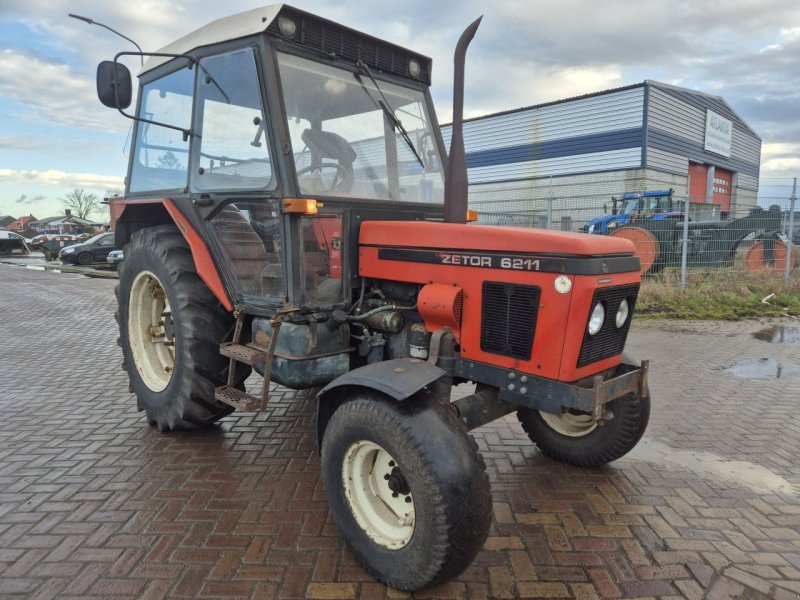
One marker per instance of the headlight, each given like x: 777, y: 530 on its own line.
x: 622, y: 314
x: 591, y: 228
x: 68, y: 251
x: 287, y: 26
x: 597, y: 318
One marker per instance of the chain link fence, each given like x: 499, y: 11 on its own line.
x: 680, y: 240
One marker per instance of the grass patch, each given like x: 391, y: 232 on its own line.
x: 713, y: 295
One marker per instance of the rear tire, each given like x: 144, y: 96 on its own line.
x: 162, y: 299
x: 407, y: 487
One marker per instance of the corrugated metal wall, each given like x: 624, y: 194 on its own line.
x: 586, y: 135
x: 676, y: 125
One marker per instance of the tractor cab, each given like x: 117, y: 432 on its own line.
x: 274, y: 133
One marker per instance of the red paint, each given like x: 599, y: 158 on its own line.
x: 562, y: 318
x: 203, y: 262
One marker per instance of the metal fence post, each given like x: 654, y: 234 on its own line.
x: 685, y: 242
x: 790, y: 230
x: 550, y: 200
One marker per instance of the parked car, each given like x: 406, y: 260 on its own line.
x: 93, y: 250
x: 796, y: 235
x: 114, y: 258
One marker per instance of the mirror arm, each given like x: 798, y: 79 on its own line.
x: 186, y: 132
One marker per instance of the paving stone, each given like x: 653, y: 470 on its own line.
x: 94, y: 502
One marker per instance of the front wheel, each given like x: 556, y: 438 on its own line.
x: 572, y: 436
x: 407, y: 487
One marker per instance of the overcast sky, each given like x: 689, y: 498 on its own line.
x: 55, y: 135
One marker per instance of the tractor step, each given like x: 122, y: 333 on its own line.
x: 241, y: 401
x: 247, y: 354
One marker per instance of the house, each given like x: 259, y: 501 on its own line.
x: 5, y: 221
x: 66, y: 223
x: 21, y: 224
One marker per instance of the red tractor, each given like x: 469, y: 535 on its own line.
x: 286, y: 211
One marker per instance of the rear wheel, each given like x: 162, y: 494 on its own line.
x: 767, y: 255
x: 170, y: 328
x: 647, y: 247
x: 573, y: 437
x: 407, y: 488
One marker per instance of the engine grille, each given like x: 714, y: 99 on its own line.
x: 609, y: 341
x: 508, y: 318
x: 330, y: 37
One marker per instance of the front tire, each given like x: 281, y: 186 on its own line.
x: 85, y: 259
x: 574, y: 438
x: 171, y: 326
x: 407, y: 487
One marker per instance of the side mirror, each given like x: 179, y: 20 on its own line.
x: 114, y: 88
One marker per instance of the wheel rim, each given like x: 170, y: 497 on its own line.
x: 378, y: 494
x: 151, y: 332
x: 571, y: 424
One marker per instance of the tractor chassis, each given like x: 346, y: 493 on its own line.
x: 512, y: 390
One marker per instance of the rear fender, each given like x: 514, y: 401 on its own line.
x: 398, y: 379
x: 135, y: 215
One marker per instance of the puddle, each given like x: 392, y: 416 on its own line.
x: 763, y: 368
x: 779, y: 334
x: 753, y: 476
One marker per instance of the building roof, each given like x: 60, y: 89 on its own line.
x: 57, y: 220
x: 6, y: 219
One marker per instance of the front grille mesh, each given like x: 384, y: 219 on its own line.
x: 609, y: 341
x: 508, y: 318
x: 330, y: 37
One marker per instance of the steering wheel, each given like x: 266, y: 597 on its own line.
x: 339, y: 178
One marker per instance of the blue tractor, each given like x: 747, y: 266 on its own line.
x: 655, y: 205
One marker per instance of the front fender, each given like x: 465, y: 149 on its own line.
x: 399, y: 379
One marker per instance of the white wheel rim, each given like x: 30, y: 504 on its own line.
x: 570, y: 424
x: 150, y: 332
x: 387, y: 517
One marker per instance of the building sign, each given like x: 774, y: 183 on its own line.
x: 718, y: 134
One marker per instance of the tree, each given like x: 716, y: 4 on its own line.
x: 168, y: 161
x: 81, y: 203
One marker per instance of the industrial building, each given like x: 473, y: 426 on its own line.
x: 641, y: 137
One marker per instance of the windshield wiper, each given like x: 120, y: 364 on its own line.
x: 384, y: 105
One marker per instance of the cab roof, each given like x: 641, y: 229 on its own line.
x: 243, y: 24
x: 312, y: 31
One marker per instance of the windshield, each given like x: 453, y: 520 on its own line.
x: 345, y: 144
x: 98, y: 237
x: 629, y: 205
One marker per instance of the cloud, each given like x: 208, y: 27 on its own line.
x: 62, y: 178
x: 24, y: 199
x: 11, y: 142
x: 53, y: 92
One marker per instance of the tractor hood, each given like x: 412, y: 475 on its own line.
x: 455, y: 236
x: 600, y: 223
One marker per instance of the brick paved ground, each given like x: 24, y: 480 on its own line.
x: 96, y: 504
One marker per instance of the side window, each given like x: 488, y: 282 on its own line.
x: 232, y: 149
x: 249, y: 233
x: 160, y: 154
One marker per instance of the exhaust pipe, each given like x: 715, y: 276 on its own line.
x: 455, y: 176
